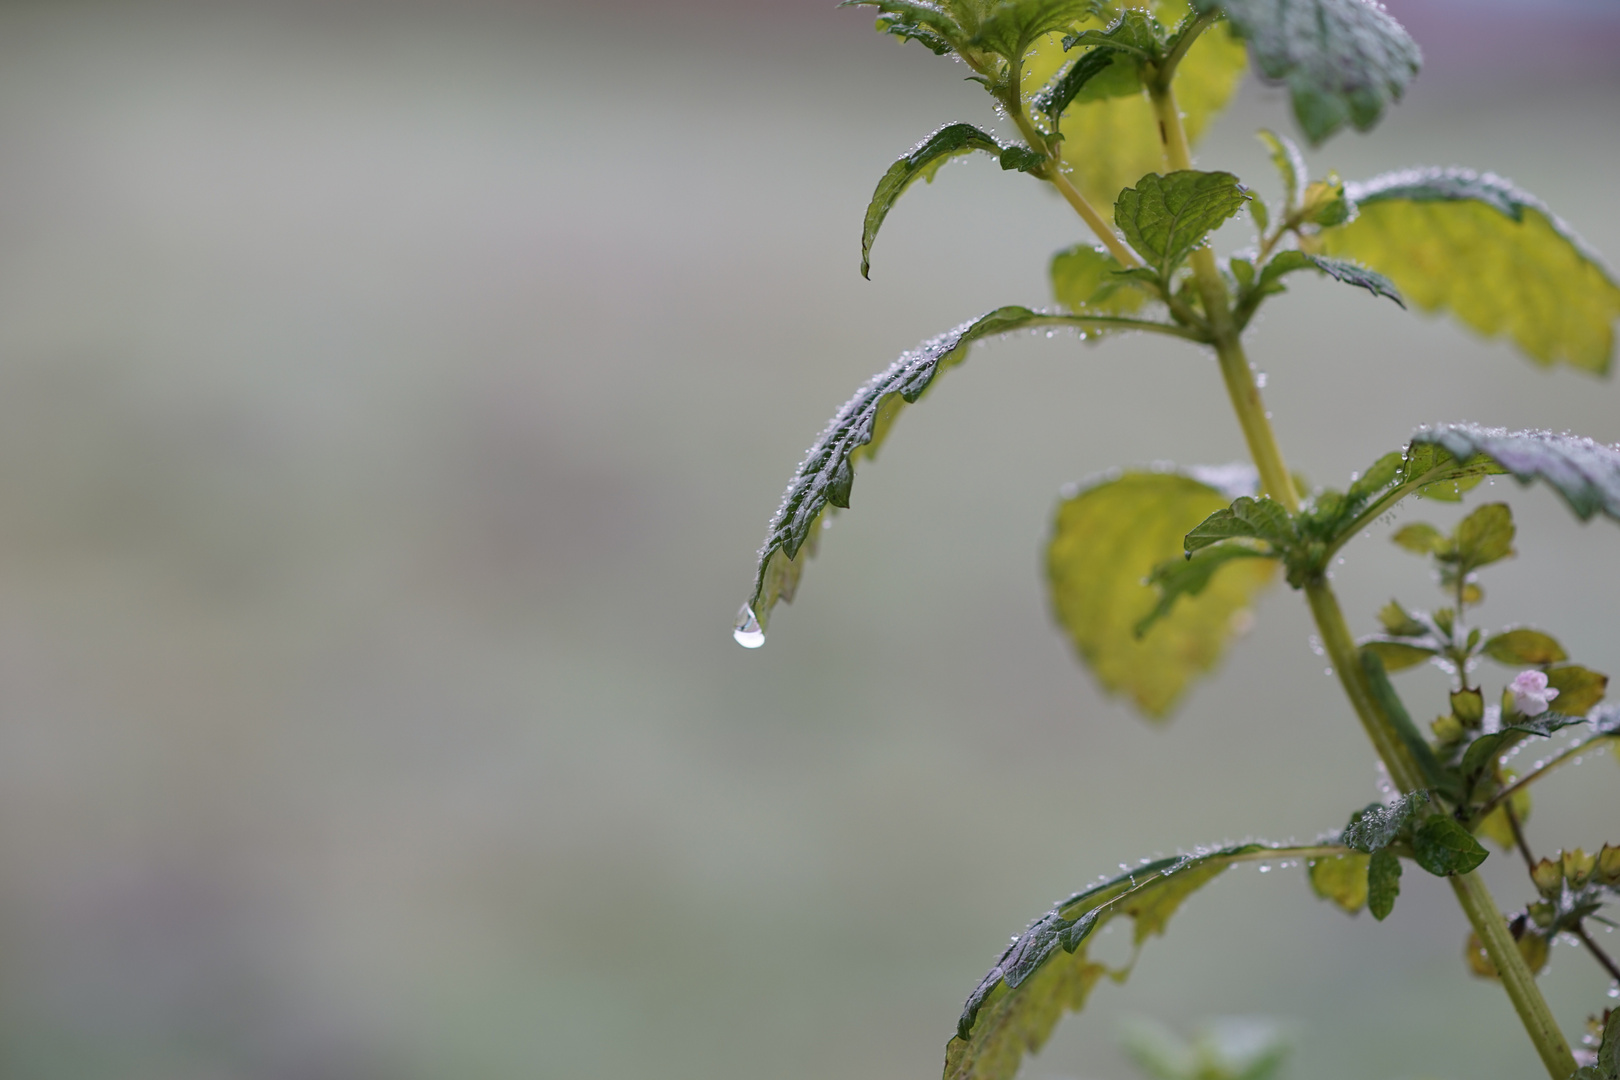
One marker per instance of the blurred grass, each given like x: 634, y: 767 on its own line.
x: 392, y: 400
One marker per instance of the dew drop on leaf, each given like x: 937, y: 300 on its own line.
x: 748, y: 632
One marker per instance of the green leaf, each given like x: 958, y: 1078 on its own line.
x: 1442, y: 846
x: 1343, y: 60
x: 1585, y: 473
x: 1578, y: 688
x: 1376, y: 827
x: 1398, y: 623
x: 1045, y: 972
x: 827, y: 473
x: 1259, y: 519
x: 1517, y: 648
x: 1487, y: 748
x: 1390, y: 704
x: 1421, y: 539
x: 1383, y: 883
x: 1359, y: 276
x: 1290, y: 165
x: 1084, y: 278
x: 1608, y: 1055
x: 1483, y: 537
x: 1399, y: 655
x: 1011, y: 26
x: 1494, y: 256
x: 1111, y: 68
x: 910, y: 20
x: 1105, y: 540
x: 1109, y: 142
x: 1166, y: 217
x: 1286, y: 262
x: 921, y: 162
x: 1341, y: 879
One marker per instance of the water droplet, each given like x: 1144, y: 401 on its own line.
x: 1325, y: 671
x: 1264, y: 869
x: 1614, y: 991
x: 748, y: 632
x: 1260, y: 380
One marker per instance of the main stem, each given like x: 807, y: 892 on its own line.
x: 1472, y: 894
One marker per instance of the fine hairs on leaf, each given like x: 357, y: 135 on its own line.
x: 1153, y: 572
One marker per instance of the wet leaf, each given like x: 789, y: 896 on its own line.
x: 1399, y: 624
x: 1485, y: 749
x: 1399, y: 655
x: 1344, y: 61
x: 1108, y: 143
x: 1165, y: 217
x: 922, y: 162
x: 910, y: 20
x: 1286, y: 262
x: 1494, y: 256
x: 1421, y: 539
x: 1383, y: 883
x: 1585, y: 473
x: 1517, y: 648
x: 1376, y: 827
x: 1105, y: 541
x: 1341, y: 879
x: 1178, y: 578
x: 1290, y: 165
x: 1443, y: 847
x: 1046, y: 971
x: 827, y: 473
x: 1257, y: 519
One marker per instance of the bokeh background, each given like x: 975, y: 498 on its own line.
x: 392, y: 396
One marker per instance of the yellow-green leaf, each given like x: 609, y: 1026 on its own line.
x: 1341, y: 879
x: 1493, y: 256
x: 1578, y: 688
x: 1105, y: 542
x: 1083, y: 279
x: 1110, y: 143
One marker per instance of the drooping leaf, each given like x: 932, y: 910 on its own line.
x: 1166, y: 217
x: 1085, y: 278
x: 1578, y: 688
x: 1108, y: 67
x: 1269, y: 282
x: 1584, y: 472
x: 912, y: 20
x: 1105, y: 540
x: 1487, y: 748
x: 1343, y: 60
x: 1516, y: 648
x: 1359, y: 276
x: 1383, y: 883
x: 922, y: 162
x: 826, y: 474
x: 1109, y: 142
x: 1442, y: 847
x: 1389, y: 703
x: 1341, y: 879
x: 1046, y: 972
x: 1491, y: 254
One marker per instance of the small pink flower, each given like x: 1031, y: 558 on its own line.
x: 1530, y: 693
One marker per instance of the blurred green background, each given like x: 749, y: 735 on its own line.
x: 392, y: 398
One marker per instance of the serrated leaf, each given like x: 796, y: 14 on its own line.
x: 1110, y: 66
x: 1585, y: 473
x: 1189, y: 577
x: 1341, y: 879
x: 1517, y: 648
x: 1375, y: 827
x: 1399, y: 655
x: 910, y: 20
x: 1286, y: 262
x: 1343, y: 60
x: 1494, y: 256
x: 1110, y: 142
x: 1485, y: 749
x: 1010, y: 27
x: 1085, y: 278
x: 1578, y: 688
x: 1105, y: 540
x: 1443, y: 847
x: 1165, y: 217
x: 1608, y: 1055
x: 1046, y: 972
x: 1383, y: 883
x: 827, y: 473
x: 921, y: 162
x: 1259, y: 519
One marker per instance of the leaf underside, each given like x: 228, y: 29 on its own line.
x: 1585, y: 473
x: 1108, y: 143
x: 1492, y: 255
x: 1045, y: 972
x: 1344, y: 61
x: 827, y: 473
x: 1105, y: 541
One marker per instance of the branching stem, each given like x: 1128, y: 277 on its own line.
x: 1531, y: 777
x: 1471, y: 891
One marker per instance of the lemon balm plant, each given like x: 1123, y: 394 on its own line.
x: 1151, y: 570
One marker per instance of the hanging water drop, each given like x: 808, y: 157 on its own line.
x: 748, y: 633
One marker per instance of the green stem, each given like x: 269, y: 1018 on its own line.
x: 1529, y: 778
x: 1472, y: 894
x: 1053, y: 174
